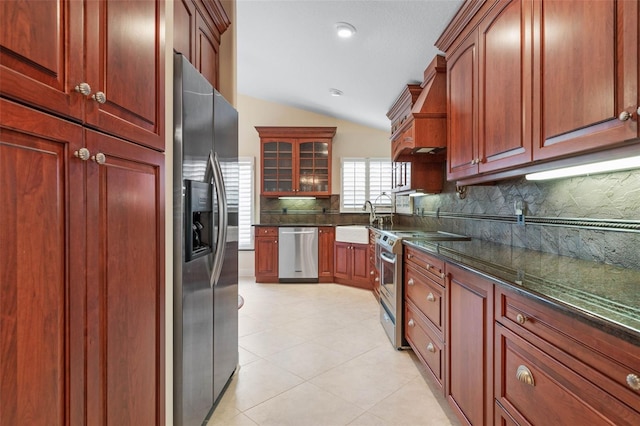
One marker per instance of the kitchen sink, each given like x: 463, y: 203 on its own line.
x: 357, y: 234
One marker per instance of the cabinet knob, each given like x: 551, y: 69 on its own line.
x: 521, y: 319
x: 83, y: 154
x: 431, y: 348
x: 265, y: 231
x: 83, y: 88
x: 524, y: 375
x: 428, y: 266
x: 409, y: 256
x: 624, y: 116
x: 633, y: 381
x: 410, y: 282
x: 431, y: 297
x: 275, y: 242
x: 377, y: 279
x: 99, y: 158
x: 443, y: 275
x: 371, y: 272
x: 411, y: 323
x: 99, y: 97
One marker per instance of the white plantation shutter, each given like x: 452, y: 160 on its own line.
x: 363, y: 179
x: 245, y: 202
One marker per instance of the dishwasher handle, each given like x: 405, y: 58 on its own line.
x: 297, y: 232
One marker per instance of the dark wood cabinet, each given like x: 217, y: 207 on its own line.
x: 422, y: 173
x: 533, y: 82
x: 125, y: 316
x: 266, y: 254
x: 549, y: 365
x: 585, y: 75
x: 351, y: 264
x: 489, y: 94
x: 68, y: 58
x: 326, y: 239
x: 425, y: 308
x: 296, y: 161
x: 198, y: 26
x: 82, y: 300
x: 469, y: 338
x: 462, y: 109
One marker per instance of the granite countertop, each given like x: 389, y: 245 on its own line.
x: 605, y: 296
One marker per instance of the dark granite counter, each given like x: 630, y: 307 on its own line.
x: 605, y: 296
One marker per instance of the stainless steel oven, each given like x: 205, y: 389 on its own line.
x: 389, y: 261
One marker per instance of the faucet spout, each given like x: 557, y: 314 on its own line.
x: 372, y: 211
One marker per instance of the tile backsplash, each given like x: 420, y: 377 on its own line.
x: 592, y: 217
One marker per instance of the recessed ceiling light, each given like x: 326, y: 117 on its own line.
x: 335, y: 92
x: 345, y: 30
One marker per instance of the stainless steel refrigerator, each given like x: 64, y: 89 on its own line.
x: 205, y: 256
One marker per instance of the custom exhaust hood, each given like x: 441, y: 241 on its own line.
x: 419, y: 115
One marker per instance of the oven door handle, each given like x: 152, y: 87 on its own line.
x: 386, y: 258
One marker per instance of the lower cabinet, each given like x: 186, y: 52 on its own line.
x: 351, y: 264
x: 326, y: 238
x: 469, y: 339
x: 551, y: 368
x: 82, y: 277
x: 508, y: 359
x: 266, y: 254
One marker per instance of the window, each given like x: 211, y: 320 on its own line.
x: 245, y: 203
x: 364, y: 179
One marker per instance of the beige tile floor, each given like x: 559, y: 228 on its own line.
x: 315, y: 354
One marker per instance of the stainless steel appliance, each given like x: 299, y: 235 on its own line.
x: 298, y: 254
x: 389, y: 263
x: 205, y: 236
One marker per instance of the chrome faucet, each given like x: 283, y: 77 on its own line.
x: 372, y: 211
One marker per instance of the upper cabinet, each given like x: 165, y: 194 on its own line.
x: 296, y: 161
x: 418, y: 117
x: 585, y: 68
x: 198, y: 26
x: 489, y: 110
x: 62, y: 57
x: 533, y: 81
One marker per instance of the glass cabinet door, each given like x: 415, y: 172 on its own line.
x: 313, y: 172
x: 277, y: 167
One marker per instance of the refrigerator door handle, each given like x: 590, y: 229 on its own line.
x: 218, y: 258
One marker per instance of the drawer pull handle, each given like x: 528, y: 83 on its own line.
x: 431, y: 348
x: 410, y: 282
x: 411, y: 323
x: 431, y: 297
x: 633, y: 381
x: 521, y: 319
x: 409, y: 256
x: 443, y: 275
x: 428, y: 266
x: 524, y: 375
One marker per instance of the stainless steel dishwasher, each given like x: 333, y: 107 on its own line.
x: 298, y: 254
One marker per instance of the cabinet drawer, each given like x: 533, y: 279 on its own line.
x: 536, y: 389
x: 268, y: 231
x: 605, y: 360
x: 431, y: 265
x: 425, y: 294
x: 424, y: 342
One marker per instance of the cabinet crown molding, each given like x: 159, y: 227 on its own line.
x: 296, y: 132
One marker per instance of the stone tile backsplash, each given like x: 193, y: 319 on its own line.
x: 606, y: 198
x: 488, y: 213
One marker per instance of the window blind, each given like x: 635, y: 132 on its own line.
x: 364, y: 179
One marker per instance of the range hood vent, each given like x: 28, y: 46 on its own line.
x: 419, y: 115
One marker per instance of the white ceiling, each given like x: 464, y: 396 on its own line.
x: 288, y: 52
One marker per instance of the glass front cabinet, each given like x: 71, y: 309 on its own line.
x: 296, y: 161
